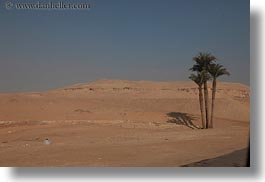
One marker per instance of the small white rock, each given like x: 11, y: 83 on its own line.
x: 47, y: 141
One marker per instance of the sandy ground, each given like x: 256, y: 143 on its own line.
x: 120, y: 123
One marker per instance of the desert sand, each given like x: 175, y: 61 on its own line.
x: 121, y: 123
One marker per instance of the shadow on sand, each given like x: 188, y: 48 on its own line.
x: 180, y: 118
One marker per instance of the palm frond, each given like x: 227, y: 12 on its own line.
x: 202, y: 61
x: 200, y: 77
x: 217, y: 70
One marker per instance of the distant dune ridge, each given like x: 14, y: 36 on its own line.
x: 93, y: 100
x: 158, y: 89
x: 232, y: 99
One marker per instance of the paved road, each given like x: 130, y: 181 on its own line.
x: 235, y: 159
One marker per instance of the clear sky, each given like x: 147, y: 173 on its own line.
x: 121, y: 39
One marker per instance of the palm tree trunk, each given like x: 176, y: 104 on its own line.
x: 213, y: 100
x: 201, y: 107
x: 206, y: 103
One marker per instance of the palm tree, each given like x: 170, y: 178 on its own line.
x: 215, y: 70
x: 199, y: 80
x: 202, y: 62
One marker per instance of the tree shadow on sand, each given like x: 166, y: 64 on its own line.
x: 180, y: 118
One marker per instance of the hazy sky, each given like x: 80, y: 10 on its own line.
x: 121, y: 39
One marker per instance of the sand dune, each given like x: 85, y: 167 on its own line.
x: 120, y: 123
